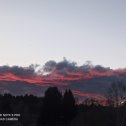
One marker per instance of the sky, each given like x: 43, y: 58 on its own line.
x: 36, y: 31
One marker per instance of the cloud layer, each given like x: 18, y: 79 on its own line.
x: 56, y: 73
x: 61, y: 74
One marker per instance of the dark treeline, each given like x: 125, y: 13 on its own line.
x: 59, y: 109
x: 28, y: 106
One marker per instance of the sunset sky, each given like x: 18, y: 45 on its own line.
x: 35, y: 31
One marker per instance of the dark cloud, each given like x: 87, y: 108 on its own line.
x: 52, y: 66
x: 101, y: 68
x: 86, y: 67
x: 61, y: 67
x: 68, y: 66
x: 21, y: 71
x: 49, y: 66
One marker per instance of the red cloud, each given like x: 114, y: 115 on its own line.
x: 61, y: 74
x: 55, y: 78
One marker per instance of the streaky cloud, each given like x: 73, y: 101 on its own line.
x: 57, y: 73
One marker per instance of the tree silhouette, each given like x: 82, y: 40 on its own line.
x: 51, y: 109
x: 69, y: 107
x: 116, y: 97
x: 58, y: 109
x: 116, y: 94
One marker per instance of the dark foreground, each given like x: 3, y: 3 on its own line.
x: 57, y: 109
